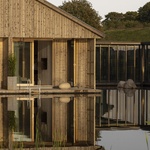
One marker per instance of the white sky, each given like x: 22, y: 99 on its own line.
x: 103, y: 7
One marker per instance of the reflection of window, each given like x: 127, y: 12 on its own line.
x: 113, y: 63
x: 44, y: 63
x: 44, y: 117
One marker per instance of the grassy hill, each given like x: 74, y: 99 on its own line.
x: 128, y: 35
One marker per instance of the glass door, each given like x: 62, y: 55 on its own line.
x: 23, y: 52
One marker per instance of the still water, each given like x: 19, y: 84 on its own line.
x: 122, y: 122
x: 115, y: 119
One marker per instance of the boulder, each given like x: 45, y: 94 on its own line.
x: 65, y: 86
x: 129, y: 84
x: 121, y: 84
x: 129, y: 92
x: 64, y: 99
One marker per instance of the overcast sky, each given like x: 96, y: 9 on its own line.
x: 103, y: 7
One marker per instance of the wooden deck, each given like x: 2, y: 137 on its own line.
x: 49, y: 90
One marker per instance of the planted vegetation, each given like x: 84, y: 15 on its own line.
x: 128, y: 35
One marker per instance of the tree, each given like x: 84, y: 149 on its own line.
x: 82, y: 9
x: 131, y: 16
x: 144, y: 13
x: 114, y: 16
x: 113, y: 20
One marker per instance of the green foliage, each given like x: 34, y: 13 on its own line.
x: 11, y: 120
x: 128, y: 35
x: 116, y: 20
x: 131, y: 19
x: 83, y: 10
x: 114, y: 16
x: 11, y: 65
x: 144, y: 13
x: 131, y: 16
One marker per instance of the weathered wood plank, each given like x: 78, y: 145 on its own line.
x: 30, y: 18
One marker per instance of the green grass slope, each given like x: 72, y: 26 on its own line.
x: 128, y: 35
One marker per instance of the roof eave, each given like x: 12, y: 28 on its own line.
x: 73, y: 18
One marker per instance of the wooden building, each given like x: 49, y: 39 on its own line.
x: 51, y: 46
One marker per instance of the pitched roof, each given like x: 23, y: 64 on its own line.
x: 71, y: 17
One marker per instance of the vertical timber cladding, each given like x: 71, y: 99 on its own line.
x: 59, y: 120
x: 1, y: 121
x: 80, y: 71
x: 81, y: 118
x: 91, y: 119
x: 1, y: 62
x: 59, y: 62
x: 21, y: 18
x: 84, y: 119
x: 91, y: 62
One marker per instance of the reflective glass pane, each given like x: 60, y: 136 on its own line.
x: 147, y: 63
x: 98, y: 64
x: 113, y: 63
x: 130, y: 62
x: 104, y: 64
x: 138, y: 65
x: 122, y: 63
x: 22, y: 52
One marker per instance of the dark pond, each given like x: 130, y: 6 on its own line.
x: 115, y: 119
x: 122, y: 118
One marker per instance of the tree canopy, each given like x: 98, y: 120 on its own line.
x: 144, y: 13
x: 82, y: 9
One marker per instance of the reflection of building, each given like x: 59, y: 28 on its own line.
x: 55, y: 120
x: 129, y: 109
x: 121, y: 61
x: 51, y: 46
x: 23, y: 109
x: 71, y: 122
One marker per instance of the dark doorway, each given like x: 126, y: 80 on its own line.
x: 70, y: 73
x: 35, y: 62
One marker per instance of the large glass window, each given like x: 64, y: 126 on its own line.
x: 147, y: 62
x: 138, y: 65
x: 104, y: 64
x: 122, y: 63
x: 113, y: 63
x: 98, y: 64
x: 23, y: 69
x: 130, y: 62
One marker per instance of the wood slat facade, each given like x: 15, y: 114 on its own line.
x: 38, y: 20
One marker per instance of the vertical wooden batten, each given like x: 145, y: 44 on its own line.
x: 1, y: 62
x: 38, y: 19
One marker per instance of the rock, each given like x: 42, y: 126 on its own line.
x: 64, y: 99
x: 129, y: 92
x: 121, y: 84
x: 64, y: 86
x: 129, y: 84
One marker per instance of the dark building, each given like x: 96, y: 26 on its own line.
x: 118, y: 61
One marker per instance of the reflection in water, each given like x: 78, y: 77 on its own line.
x: 116, y: 139
x: 115, y: 108
x: 61, y: 120
x: 73, y: 120
x: 126, y: 123
x: 128, y: 92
